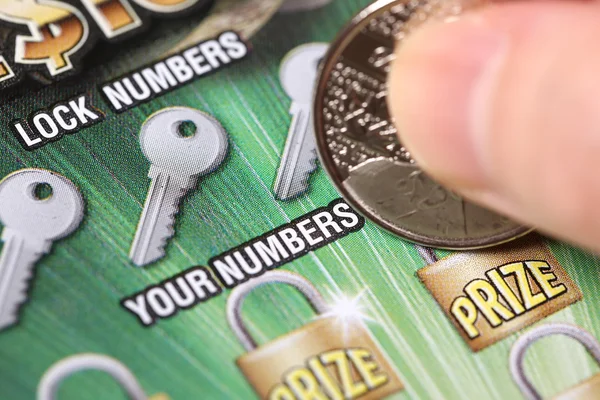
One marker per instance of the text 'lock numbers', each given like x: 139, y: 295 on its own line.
x: 586, y: 390
x: 177, y: 161
x: 333, y: 357
x: 31, y: 225
x: 298, y: 74
x: 52, y: 379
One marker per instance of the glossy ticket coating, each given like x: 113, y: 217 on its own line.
x: 358, y: 141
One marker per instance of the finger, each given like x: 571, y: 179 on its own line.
x: 503, y: 105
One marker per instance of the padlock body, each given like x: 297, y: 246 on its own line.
x: 586, y: 390
x: 330, y: 358
x: 522, y: 280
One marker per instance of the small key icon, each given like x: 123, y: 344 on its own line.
x: 31, y: 225
x: 176, y: 162
x: 298, y: 74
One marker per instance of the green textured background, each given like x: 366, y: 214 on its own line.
x: 74, y: 301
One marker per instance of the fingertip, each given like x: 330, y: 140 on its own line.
x: 490, y: 105
x: 439, y: 86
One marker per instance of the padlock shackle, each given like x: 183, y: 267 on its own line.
x: 57, y: 373
x: 517, y: 353
x: 427, y: 254
x: 238, y: 295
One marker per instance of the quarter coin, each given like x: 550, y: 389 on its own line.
x: 359, y: 148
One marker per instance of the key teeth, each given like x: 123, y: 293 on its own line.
x: 9, y: 320
x: 166, y: 232
x: 169, y: 226
x: 312, y: 168
x: 302, y: 184
x: 313, y: 161
x: 18, y: 295
x: 169, y: 232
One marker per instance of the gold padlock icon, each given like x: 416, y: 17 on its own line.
x: 586, y: 390
x: 490, y: 294
x: 329, y: 358
x: 57, y: 373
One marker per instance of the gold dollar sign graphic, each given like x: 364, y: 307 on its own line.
x: 57, y: 31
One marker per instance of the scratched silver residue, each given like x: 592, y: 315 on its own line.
x: 399, y: 20
x: 358, y: 142
x: 357, y: 122
x: 392, y: 22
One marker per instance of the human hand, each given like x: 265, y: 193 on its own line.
x: 503, y: 106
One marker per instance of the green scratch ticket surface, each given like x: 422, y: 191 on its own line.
x: 163, y: 239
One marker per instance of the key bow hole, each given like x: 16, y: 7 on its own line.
x: 186, y: 129
x: 41, y: 191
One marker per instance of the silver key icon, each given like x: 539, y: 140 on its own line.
x: 298, y: 74
x: 31, y: 225
x: 176, y: 164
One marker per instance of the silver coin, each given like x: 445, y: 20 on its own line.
x: 358, y: 143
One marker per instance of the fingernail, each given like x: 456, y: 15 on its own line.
x: 441, y: 89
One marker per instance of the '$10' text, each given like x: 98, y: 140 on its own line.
x: 52, y: 36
